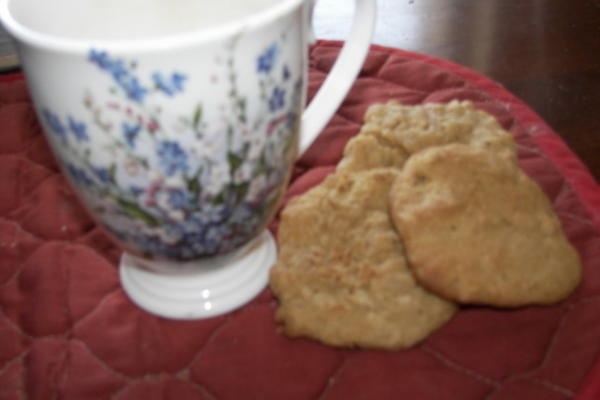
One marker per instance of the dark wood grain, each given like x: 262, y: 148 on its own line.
x: 546, y: 52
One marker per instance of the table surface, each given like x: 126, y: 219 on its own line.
x: 546, y: 52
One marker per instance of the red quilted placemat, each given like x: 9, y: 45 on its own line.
x: 67, y: 330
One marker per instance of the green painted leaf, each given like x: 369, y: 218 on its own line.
x: 230, y: 131
x: 261, y: 168
x: 246, y: 150
x: 220, y: 198
x: 240, y: 190
x: 242, y: 109
x: 235, y: 161
x: 112, y: 172
x: 144, y: 162
x: 193, y: 186
x: 197, y: 116
x: 134, y: 211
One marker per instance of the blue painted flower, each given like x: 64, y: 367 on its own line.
x: 137, y: 191
x: 199, y: 246
x: 103, y: 174
x: 171, y: 85
x: 179, y: 199
x: 172, y: 157
x: 100, y: 58
x: 196, y: 238
x: 213, y: 213
x: 132, y: 87
x: 266, y: 60
x: 244, y: 215
x: 286, y: 73
x: 215, y: 237
x: 130, y: 131
x: 79, y: 130
x: 120, y: 74
x: 54, y: 123
x: 79, y: 176
x: 277, y: 100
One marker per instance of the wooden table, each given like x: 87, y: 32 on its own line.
x: 547, y: 52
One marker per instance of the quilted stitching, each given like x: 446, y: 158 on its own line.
x: 68, y: 331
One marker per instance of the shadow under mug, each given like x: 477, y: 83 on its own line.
x: 179, y: 140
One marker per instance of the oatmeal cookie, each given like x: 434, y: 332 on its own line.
x: 365, y: 151
x: 478, y: 230
x: 392, y: 132
x: 341, y: 276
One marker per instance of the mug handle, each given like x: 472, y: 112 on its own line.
x: 342, y: 75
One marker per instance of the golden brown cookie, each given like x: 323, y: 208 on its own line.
x: 367, y: 151
x: 341, y: 276
x: 478, y: 230
x: 393, y: 131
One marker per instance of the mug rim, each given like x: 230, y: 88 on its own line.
x: 25, y: 34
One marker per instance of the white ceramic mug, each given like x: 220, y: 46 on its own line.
x: 177, y: 122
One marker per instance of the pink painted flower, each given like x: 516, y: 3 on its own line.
x: 151, y: 192
x: 132, y: 167
x: 153, y: 126
x: 275, y: 123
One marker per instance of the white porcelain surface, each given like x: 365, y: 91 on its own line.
x: 220, y: 285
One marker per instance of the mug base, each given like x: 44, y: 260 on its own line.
x: 199, y: 289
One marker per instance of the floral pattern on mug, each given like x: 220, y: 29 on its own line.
x: 188, y: 185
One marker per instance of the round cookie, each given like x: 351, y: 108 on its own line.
x: 415, y: 128
x: 478, y: 230
x: 342, y: 277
